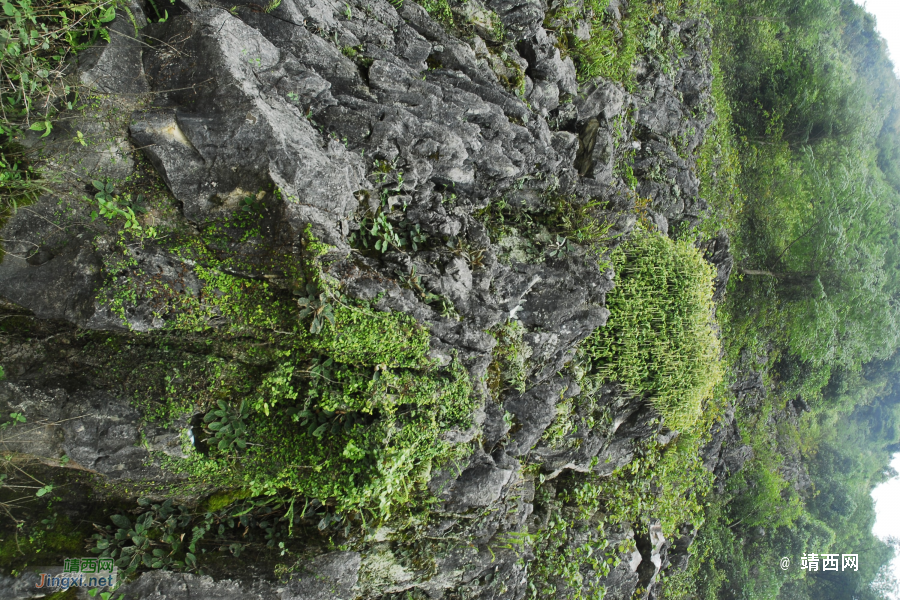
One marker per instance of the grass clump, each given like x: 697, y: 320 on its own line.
x: 19, y: 184
x: 568, y: 226
x: 509, y: 364
x: 613, y: 46
x: 718, y: 159
x: 602, y: 54
x: 660, y: 338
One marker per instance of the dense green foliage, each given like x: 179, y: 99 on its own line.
x: 37, y: 40
x: 813, y: 96
x: 801, y: 168
x: 659, y: 339
x: 352, y: 413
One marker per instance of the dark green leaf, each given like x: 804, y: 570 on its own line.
x: 121, y: 521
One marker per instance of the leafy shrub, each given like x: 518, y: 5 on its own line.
x: 151, y: 540
x: 367, y: 437
x: 353, y: 412
x: 316, y: 304
x: 36, y: 41
x: 227, y: 427
x: 660, y: 339
x: 172, y: 537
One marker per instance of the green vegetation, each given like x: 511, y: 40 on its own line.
x: 226, y: 425
x: 737, y: 543
x: 37, y: 38
x: 611, y: 47
x: 49, y: 541
x: 659, y: 339
x: 569, y: 227
x: 19, y: 185
x: 586, y: 511
x: 660, y: 343
x: 817, y: 227
x: 465, y: 19
x: 508, y: 369
x: 800, y: 169
x: 169, y: 536
x: 349, y: 410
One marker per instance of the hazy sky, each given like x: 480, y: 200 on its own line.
x: 888, y: 14
x: 887, y: 515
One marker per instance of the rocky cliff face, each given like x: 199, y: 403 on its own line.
x: 431, y: 164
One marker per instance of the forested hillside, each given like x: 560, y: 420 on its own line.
x: 813, y: 102
x: 460, y: 299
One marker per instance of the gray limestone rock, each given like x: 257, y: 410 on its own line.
x: 479, y: 485
x: 652, y: 547
x: 116, y: 67
x: 232, y: 137
x: 600, y: 98
x: 95, y: 430
x: 53, y: 274
x: 622, y: 580
x: 518, y: 16
x: 327, y: 577
x: 353, y: 110
x: 166, y: 585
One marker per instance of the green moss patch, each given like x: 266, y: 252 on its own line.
x: 43, y: 543
x: 351, y: 410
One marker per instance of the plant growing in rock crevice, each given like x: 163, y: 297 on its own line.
x: 509, y: 364
x: 351, y: 410
x: 227, y: 427
x: 152, y: 540
x: 660, y: 339
x: 38, y: 40
x: 170, y: 536
x: 317, y: 305
x: 19, y: 184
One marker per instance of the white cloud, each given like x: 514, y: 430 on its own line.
x: 887, y: 16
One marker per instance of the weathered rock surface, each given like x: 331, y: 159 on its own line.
x: 347, y: 108
x: 94, y: 430
x: 164, y: 585
x: 652, y: 547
